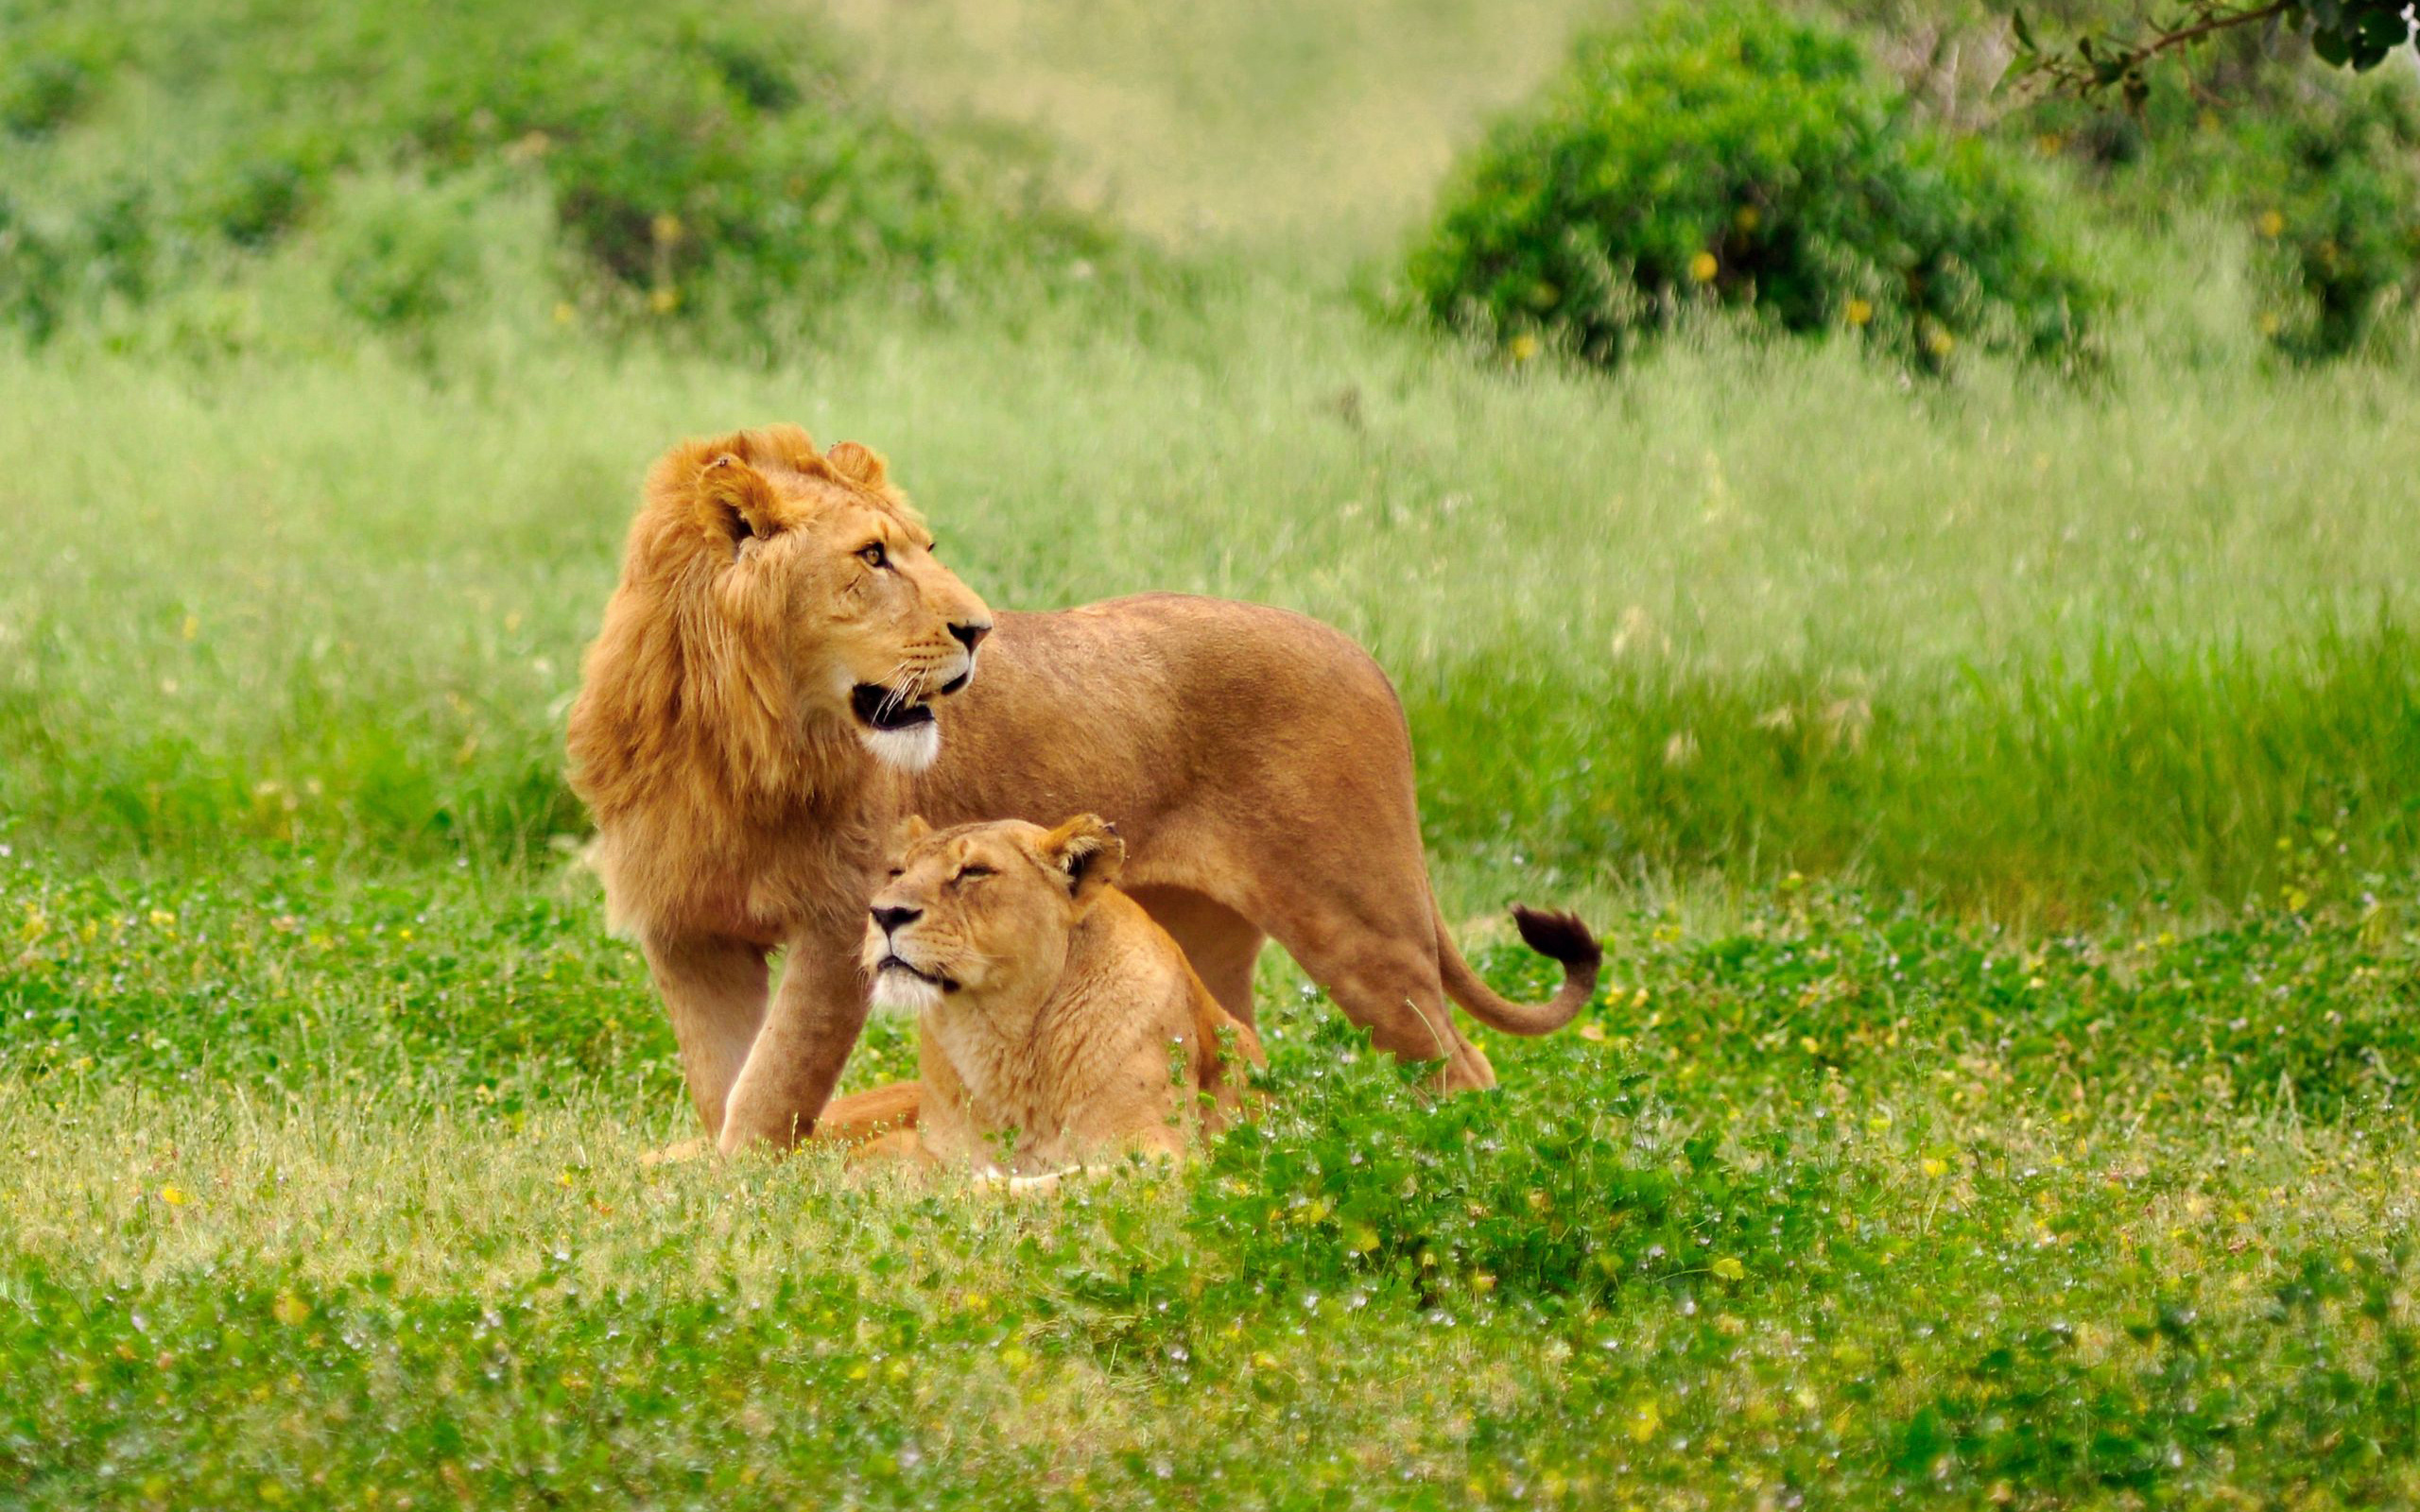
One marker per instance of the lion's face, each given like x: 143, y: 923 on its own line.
x: 828, y: 564
x: 983, y: 908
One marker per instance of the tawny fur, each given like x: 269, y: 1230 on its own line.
x: 1057, y: 1025
x: 1256, y: 763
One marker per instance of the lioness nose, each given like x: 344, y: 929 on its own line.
x: 889, y: 920
x: 971, y: 636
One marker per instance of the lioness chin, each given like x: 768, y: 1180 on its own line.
x: 787, y: 669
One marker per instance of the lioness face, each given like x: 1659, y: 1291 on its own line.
x: 843, y: 577
x: 982, y: 908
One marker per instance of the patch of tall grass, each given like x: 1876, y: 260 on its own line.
x: 1747, y: 610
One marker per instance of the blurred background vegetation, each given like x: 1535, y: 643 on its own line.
x: 1757, y: 438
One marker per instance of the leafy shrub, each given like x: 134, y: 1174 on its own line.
x: 691, y: 160
x: 708, y: 162
x: 2326, y: 175
x: 401, y: 259
x: 260, y: 197
x: 39, y: 94
x: 32, y: 272
x: 2337, y: 198
x: 1740, y: 156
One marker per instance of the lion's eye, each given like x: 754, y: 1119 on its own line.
x: 972, y: 874
x: 872, y: 554
x: 897, y: 872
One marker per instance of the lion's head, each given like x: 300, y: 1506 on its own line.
x: 985, y: 908
x: 778, y: 606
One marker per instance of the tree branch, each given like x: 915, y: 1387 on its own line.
x: 2222, y: 22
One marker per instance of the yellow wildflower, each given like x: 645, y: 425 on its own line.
x: 1644, y: 1422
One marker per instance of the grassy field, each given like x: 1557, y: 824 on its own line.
x: 2001, y: 798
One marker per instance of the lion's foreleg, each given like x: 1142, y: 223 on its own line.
x: 715, y: 990
x: 806, y: 1039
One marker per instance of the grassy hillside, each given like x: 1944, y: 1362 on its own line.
x: 2001, y: 797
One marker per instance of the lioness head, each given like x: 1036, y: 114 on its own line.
x: 805, y: 587
x: 986, y: 908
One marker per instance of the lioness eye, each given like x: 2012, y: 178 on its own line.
x: 897, y: 872
x: 972, y: 874
x: 873, y: 556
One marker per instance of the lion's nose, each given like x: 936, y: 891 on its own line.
x: 889, y: 920
x: 971, y: 635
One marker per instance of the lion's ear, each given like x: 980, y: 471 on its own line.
x: 1087, y: 849
x: 739, y: 499
x: 861, y: 465
x: 907, y: 833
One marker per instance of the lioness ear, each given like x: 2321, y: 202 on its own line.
x: 740, y: 500
x: 1088, y: 851
x: 859, y: 464
x: 908, y: 831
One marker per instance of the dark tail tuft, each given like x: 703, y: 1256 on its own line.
x: 1558, y: 937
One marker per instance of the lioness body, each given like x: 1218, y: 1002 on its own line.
x: 1256, y: 762
x: 1055, y: 1022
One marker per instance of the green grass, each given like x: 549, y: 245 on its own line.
x: 1997, y: 796
x: 2020, y: 642
x: 326, y: 1190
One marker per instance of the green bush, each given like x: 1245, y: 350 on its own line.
x: 39, y: 94
x: 1737, y: 156
x: 706, y: 166
x: 2336, y: 196
x: 33, y: 272
x: 2325, y: 174
x: 408, y: 253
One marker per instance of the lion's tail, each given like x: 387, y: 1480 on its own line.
x: 1557, y: 936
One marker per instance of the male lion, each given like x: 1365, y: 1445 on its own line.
x: 786, y: 671
x: 1050, y: 1008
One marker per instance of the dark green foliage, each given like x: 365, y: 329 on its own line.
x: 406, y: 263
x: 1732, y: 154
x: 259, y: 198
x: 701, y: 162
x: 2124, y: 58
x: 40, y: 91
x: 1360, y: 1182
x: 2033, y: 1407
x: 2339, y: 193
x: 2325, y: 178
x: 34, y: 271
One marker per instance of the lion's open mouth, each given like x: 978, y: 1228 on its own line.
x: 880, y: 708
x: 893, y: 963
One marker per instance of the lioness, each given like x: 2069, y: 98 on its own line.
x: 1055, y: 1022
x: 786, y: 670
